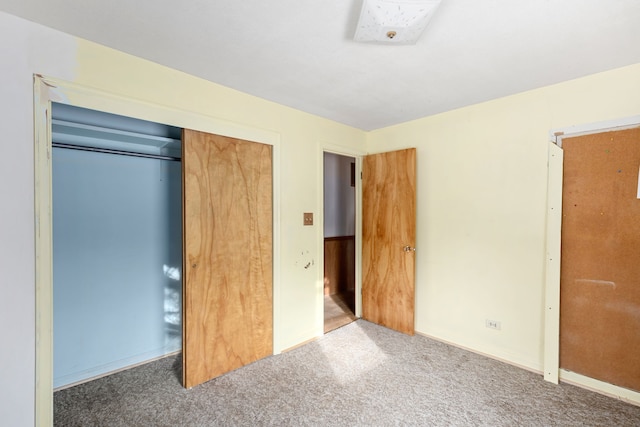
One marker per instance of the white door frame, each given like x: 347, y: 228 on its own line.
x: 47, y: 90
x: 326, y: 147
x: 552, y: 371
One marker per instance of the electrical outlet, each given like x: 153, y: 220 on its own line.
x: 492, y: 324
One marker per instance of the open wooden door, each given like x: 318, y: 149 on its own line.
x: 227, y: 289
x: 388, y: 239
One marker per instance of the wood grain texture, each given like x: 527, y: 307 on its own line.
x: 600, y: 268
x: 389, y: 224
x: 227, y: 294
x: 339, y: 265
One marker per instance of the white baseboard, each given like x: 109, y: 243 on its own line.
x: 481, y: 353
x: 601, y: 387
x: 77, y: 378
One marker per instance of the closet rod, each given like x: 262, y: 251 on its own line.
x: 109, y: 151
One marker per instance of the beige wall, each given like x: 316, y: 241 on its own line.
x: 28, y: 49
x: 482, y: 185
x: 300, y: 135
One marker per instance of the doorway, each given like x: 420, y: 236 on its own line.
x: 339, y: 188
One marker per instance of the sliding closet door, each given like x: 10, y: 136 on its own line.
x: 227, y: 292
x: 600, y: 272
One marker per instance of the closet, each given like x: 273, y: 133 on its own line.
x: 121, y: 187
x: 117, y: 242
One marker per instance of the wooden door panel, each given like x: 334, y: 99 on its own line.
x: 388, y: 225
x: 600, y: 272
x: 339, y: 266
x: 227, y: 298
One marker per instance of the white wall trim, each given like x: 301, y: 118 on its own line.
x: 47, y: 90
x: 565, y: 376
x: 552, y: 371
x: 126, y: 368
x: 507, y: 361
x: 601, y: 387
x: 43, y: 251
x: 552, y: 259
x: 556, y: 135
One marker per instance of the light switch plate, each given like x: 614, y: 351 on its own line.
x: 307, y: 218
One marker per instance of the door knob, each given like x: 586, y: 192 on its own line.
x: 409, y: 249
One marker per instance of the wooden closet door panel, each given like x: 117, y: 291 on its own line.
x: 600, y: 272
x: 227, y: 298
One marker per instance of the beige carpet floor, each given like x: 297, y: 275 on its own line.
x: 358, y: 375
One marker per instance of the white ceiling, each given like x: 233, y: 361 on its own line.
x: 301, y: 53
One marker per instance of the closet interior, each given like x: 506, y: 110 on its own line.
x: 117, y: 242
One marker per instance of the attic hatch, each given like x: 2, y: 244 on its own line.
x: 90, y: 130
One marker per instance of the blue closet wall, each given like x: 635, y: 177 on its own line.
x: 117, y: 257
